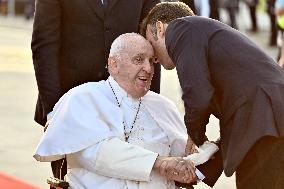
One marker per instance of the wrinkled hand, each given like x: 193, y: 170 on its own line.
x: 175, y: 168
x: 190, y: 147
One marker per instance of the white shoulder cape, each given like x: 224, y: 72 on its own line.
x: 88, y: 114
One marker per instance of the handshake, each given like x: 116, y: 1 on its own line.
x: 182, y: 169
x: 176, y: 168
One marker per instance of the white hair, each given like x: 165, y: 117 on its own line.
x: 121, y: 42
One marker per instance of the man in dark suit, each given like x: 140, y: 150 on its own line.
x: 70, y: 44
x: 223, y: 73
x: 71, y: 40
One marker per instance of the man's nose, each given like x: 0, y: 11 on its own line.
x: 148, y: 66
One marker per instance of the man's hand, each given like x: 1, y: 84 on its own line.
x: 190, y: 147
x: 175, y: 168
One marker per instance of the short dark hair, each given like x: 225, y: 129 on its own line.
x: 165, y: 12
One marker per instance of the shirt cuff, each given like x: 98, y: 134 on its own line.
x: 199, y: 175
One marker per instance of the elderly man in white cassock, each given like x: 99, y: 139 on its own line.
x: 118, y: 134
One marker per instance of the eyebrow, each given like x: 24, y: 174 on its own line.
x: 140, y: 54
x: 143, y: 55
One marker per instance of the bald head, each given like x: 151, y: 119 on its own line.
x: 130, y: 63
x: 125, y: 42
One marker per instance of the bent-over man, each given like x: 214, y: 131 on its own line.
x: 224, y: 73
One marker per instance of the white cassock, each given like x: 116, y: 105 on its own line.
x: 87, y: 126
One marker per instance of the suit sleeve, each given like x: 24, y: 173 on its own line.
x: 117, y: 159
x: 45, y: 48
x: 187, y: 47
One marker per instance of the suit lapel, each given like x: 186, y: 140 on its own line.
x: 97, y: 7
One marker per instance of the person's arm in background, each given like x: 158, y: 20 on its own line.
x: 46, y: 49
x: 155, y: 86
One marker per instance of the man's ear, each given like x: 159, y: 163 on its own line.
x: 161, y: 29
x: 112, y: 66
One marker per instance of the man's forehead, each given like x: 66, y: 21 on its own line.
x: 139, y: 42
x: 144, y: 53
x: 140, y: 47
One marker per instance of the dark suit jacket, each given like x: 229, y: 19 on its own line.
x: 71, y: 41
x: 222, y: 72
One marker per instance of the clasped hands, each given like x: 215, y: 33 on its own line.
x: 176, y: 168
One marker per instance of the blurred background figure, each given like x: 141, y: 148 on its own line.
x: 279, y: 12
x: 3, y: 7
x: 202, y: 8
x: 232, y: 7
x: 29, y: 9
x: 252, y: 4
x: 214, y: 9
x: 270, y: 9
x: 207, y: 8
